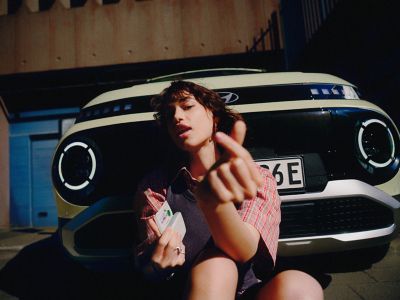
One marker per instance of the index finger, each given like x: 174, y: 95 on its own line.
x: 234, y: 149
x: 231, y: 146
x: 154, y: 228
x: 238, y: 132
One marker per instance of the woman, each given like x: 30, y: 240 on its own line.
x: 230, y: 207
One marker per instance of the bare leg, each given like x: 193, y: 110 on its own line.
x: 291, y: 284
x: 214, y: 276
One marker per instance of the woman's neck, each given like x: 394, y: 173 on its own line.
x: 202, y: 160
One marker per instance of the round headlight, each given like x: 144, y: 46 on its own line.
x: 76, y: 165
x: 375, y: 143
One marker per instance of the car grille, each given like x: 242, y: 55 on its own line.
x: 332, y: 216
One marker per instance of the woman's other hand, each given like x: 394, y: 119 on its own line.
x: 234, y: 177
x: 169, y: 251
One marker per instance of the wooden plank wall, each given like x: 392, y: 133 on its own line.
x: 127, y: 32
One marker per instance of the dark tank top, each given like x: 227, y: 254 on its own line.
x: 198, y: 236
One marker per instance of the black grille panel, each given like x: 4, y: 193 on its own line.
x: 333, y: 216
x: 107, y: 232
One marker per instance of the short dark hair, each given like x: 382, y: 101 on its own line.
x: 178, y: 90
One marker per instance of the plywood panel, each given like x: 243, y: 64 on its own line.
x: 256, y: 15
x: 244, y: 28
x: 271, y: 6
x: 32, y: 40
x: 128, y: 32
x: 169, y: 43
x: 7, y: 41
x: 95, y: 30
x: 61, y: 37
x: 218, y: 27
x: 244, y: 19
x: 128, y: 51
x: 149, y: 29
x: 256, y: 11
x: 140, y: 31
x: 197, y: 38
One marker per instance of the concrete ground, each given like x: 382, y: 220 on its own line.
x: 353, y: 275
x: 380, y: 280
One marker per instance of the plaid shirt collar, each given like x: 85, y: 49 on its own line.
x: 188, y: 178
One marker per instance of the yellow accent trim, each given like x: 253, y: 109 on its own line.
x: 220, y: 82
x: 243, y: 108
x: 305, y: 104
x: 391, y: 187
x: 109, y: 121
x: 65, y: 209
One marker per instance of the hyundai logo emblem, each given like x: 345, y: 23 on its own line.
x: 228, y: 97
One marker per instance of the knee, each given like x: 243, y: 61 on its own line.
x: 293, y: 284
x: 214, y: 271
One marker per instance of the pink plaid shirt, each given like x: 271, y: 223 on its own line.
x: 263, y: 211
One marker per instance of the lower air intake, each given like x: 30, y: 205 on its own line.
x: 333, y: 216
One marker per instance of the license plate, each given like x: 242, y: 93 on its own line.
x: 288, y: 172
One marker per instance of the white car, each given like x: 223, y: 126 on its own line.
x: 335, y: 158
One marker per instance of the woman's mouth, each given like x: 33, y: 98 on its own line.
x: 183, y: 131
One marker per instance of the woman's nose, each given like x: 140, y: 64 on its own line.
x: 178, y: 115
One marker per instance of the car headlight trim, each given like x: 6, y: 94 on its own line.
x: 92, y: 171
x: 363, y: 151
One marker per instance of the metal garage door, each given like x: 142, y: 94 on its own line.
x: 44, y: 212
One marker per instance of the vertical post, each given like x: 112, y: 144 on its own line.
x: 262, y: 39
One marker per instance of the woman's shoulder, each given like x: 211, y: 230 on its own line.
x: 151, y: 192
x: 269, y: 186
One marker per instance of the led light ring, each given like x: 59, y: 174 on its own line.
x: 92, y: 156
x: 360, y: 146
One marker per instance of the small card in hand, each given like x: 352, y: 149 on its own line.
x: 164, y: 218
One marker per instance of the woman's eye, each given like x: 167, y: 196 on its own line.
x: 187, y: 107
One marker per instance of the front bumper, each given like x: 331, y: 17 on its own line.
x: 105, y: 231
x: 363, y: 216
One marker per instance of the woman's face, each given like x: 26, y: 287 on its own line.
x: 190, y: 124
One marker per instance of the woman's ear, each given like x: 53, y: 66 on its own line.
x: 215, y: 128
x: 216, y: 122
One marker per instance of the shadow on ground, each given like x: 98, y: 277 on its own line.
x: 341, y: 262
x: 43, y: 271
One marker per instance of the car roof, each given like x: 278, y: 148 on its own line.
x: 221, y: 82
x: 214, y: 72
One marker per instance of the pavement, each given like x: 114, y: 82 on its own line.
x: 29, y: 258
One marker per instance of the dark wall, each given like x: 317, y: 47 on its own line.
x: 359, y: 42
